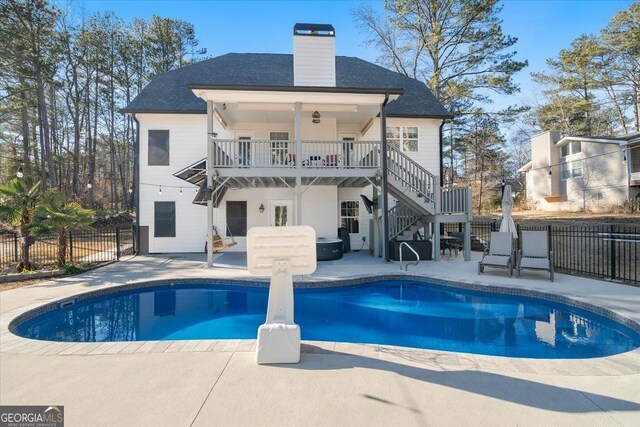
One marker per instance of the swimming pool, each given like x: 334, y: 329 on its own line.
x: 389, y: 312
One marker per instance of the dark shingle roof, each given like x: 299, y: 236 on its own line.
x: 168, y: 92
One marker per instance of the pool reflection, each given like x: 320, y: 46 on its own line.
x: 391, y: 312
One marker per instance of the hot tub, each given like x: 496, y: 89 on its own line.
x: 328, y: 249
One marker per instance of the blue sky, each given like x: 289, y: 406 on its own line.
x: 543, y: 27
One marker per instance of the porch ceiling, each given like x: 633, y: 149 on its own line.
x: 263, y: 112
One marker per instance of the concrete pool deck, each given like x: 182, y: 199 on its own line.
x: 216, y: 382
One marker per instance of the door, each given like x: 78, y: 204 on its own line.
x: 347, y: 150
x: 244, y: 151
x: 280, y: 213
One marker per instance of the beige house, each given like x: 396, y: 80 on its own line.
x: 582, y: 173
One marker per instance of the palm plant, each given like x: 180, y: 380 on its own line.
x: 55, y: 215
x: 18, y: 208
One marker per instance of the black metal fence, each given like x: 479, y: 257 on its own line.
x: 91, y: 245
x: 603, y: 251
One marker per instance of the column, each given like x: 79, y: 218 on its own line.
x: 210, y: 171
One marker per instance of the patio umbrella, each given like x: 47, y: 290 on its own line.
x: 507, y: 224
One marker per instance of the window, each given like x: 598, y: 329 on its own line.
x: 571, y: 169
x: 635, y: 159
x: 165, y: 219
x: 350, y: 216
x: 237, y: 218
x: 404, y: 138
x: 574, y: 147
x: 158, y: 148
x: 279, y: 149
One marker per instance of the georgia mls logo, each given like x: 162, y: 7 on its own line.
x: 31, y: 416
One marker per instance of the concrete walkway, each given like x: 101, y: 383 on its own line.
x: 216, y: 382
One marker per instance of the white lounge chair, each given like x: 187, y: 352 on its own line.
x: 534, y: 252
x: 500, y: 252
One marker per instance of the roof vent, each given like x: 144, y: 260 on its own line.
x: 314, y: 55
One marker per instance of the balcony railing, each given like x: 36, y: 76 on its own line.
x: 455, y: 200
x: 239, y: 153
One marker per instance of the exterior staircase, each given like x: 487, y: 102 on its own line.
x: 421, y: 201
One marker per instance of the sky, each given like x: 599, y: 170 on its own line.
x: 543, y: 27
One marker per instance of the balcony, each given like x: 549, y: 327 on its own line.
x: 314, y: 155
x: 268, y: 163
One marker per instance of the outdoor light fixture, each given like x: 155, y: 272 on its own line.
x: 160, y: 190
x: 20, y: 173
x: 550, y: 173
x: 316, y: 117
x: 181, y: 191
x: 130, y: 190
x: 89, y: 185
x: 261, y: 208
x: 224, y: 106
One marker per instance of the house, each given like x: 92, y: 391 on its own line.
x: 280, y: 139
x: 582, y: 173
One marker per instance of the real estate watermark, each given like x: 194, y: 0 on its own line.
x: 31, y: 416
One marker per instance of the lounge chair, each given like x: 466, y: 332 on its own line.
x: 499, y: 253
x: 534, y: 252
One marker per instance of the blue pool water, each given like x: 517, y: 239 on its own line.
x: 403, y: 313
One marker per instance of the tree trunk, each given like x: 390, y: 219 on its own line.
x: 62, y: 248
x: 45, y: 143
x: 24, y: 119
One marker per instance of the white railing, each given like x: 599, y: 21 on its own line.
x: 401, y: 217
x: 455, y: 200
x: 411, y: 174
x: 239, y: 153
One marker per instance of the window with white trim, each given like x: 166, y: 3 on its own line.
x: 571, y: 169
x: 573, y: 147
x: 404, y: 138
x: 350, y: 215
x: 164, y: 214
x: 158, y: 152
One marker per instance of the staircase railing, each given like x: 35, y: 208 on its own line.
x: 411, y: 174
x: 401, y: 217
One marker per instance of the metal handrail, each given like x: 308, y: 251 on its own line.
x: 406, y: 266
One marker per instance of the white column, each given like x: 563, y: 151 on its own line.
x: 210, y: 171
x: 298, y: 191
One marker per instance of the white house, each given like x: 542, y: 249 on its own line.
x: 277, y: 139
x: 580, y: 173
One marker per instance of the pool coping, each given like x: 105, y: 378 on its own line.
x: 619, y: 364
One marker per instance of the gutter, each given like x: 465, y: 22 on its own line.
x: 136, y: 183
x: 384, y: 184
x: 320, y: 89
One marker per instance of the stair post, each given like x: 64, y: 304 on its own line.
x: 467, y: 225
x: 436, y: 221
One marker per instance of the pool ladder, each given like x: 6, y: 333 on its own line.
x: 406, y: 265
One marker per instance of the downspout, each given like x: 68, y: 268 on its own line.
x: 385, y: 189
x: 442, y: 155
x: 136, y: 181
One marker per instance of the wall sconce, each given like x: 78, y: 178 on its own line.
x: 20, y: 173
x: 316, y: 117
x: 550, y: 173
x: 261, y: 208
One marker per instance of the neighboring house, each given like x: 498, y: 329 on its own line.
x: 582, y: 173
x: 273, y: 140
